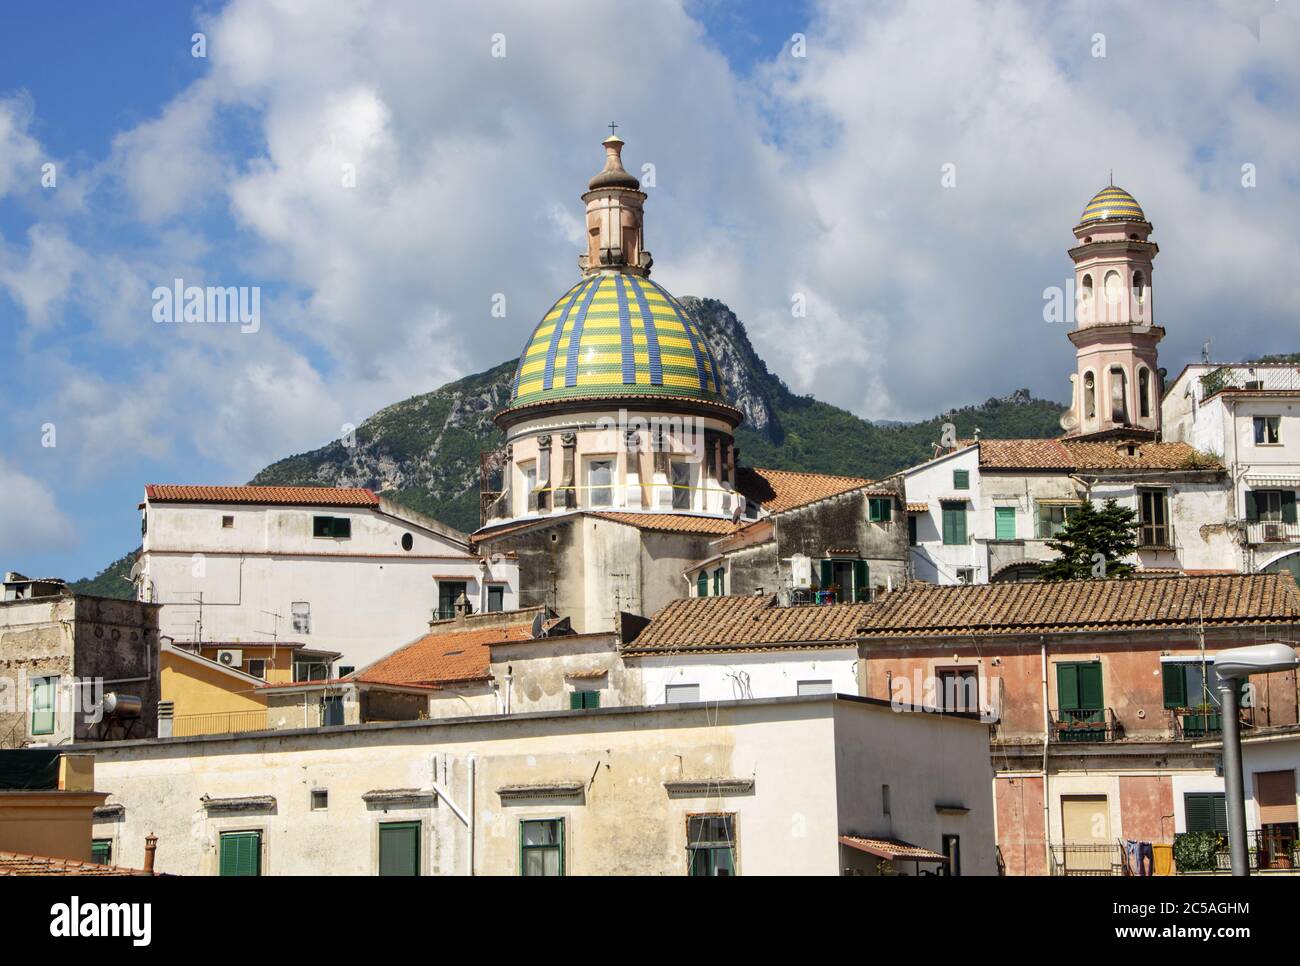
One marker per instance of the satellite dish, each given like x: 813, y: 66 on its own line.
x: 537, y: 625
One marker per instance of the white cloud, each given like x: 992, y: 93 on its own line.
x: 30, y: 520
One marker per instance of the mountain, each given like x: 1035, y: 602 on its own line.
x: 423, y: 452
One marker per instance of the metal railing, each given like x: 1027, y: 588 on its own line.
x: 219, y: 722
x: 1087, y: 859
x: 1270, y: 531
x: 1193, y: 724
x: 1155, y: 536
x: 1085, y: 724
x: 1271, y: 849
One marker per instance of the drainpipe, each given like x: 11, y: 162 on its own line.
x: 1047, y: 732
x: 467, y: 816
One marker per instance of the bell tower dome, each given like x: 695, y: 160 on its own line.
x: 1117, y: 384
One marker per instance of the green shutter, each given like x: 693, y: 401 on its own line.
x: 828, y: 574
x: 861, y: 578
x: 1090, y: 695
x: 43, y: 705
x: 575, y: 700
x: 241, y: 853
x: 1288, y: 506
x: 101, y: 851
x: 1252, y: 506
x: 399, y: 848
x: 961, y: 479
x: 954, y: 524
x: 1205, y: 812
x: 1067, y: 686
x: 718, y: 578
x: 702, y: 584
x: 1175, y: 682
x: 1006, y: 522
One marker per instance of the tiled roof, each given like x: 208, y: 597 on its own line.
x: 443, y: 657
x: 705, y: 623
x: 778, y: 490
x: 21, y: 863
x: 1077, y: 455
x: 918, y: 508
x: 891, y: 849
x: 671, y: 522
x: 923, y: 610
x: 284, y: 495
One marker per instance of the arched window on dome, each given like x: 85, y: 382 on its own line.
x: 1144, y: 392
x: 1089, y: 396
x: 1085, y: 299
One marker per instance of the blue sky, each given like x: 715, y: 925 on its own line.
x: 777, y: 176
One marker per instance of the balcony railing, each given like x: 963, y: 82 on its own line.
x: 1088, y: 859
x: 1271, y: 849
x: 1085, y: 724
x: 1270, y: 531
x: 219, y: 723
x: 1155, y: 536
x: 1193, y: 724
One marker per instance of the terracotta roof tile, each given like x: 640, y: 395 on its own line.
x: 22, y: 863
x: 705, y: 623
x: 923, y: 610
x: 891, y: 849
x: 778, y: 490
x: 284, y: 495
x: 442, y: 657
x: 671, y: 522
x: 1075, y: 455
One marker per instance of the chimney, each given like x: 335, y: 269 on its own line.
x: 150, y: 847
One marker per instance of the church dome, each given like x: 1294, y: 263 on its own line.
x: 1112, y: 203
x: 618, y: 336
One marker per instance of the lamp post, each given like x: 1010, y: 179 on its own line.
x: 1233, y: 667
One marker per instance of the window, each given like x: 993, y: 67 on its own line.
x: 847, y: 579
x: 1271, y: 506
x: 584, y: 700
x: 320, y: 799
x: 1052, y: 518
x: 702, y: 584
x: 1139, y: 288
x: 241, y: 853
x: 227, y: 522
x: 961, y: 479
x: 1187, y: 684
x: 1153, y: 518
x: 1144, y: 392
x: 101, y: 851
x: 399, y: 848
x: 710, y: 844
x: 965, y: 575
x: 911, y: 530
x: 681, y: 485
x: 408, y: 541
x: 1089, y: 396
x: 257, y: 667
x: 450, y: 591
x: 331, y: 710
x: 1268, y: 430
x: 1205, y: 812
x: 719, y: 578
x: 496, y: 601
x: 880, y: 509
x: 301, y: 616
x: 814, y: 687
x: 884, y: 800
x: 144, y: 524
x: 43, y: 705
x: 952, y: 852
x: 959, y: 689
x: 337, y: 527
x: 954, y: 524
x: 541, y: 847
x: 600, y: 482
x: 1004, y: 522
x: 311, y: 669
x: 1079, y: 695
x: 529, y: 473
x: 1118, y: 395
x: 681, y: 693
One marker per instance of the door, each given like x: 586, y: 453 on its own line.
x: 1085, y: 832
x: 1079, y: 701
x: 399, y: 848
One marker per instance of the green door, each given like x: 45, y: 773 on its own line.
x: 1006, y: 522
x: 399, y: 848
x: 241, y: 853
x: 954, y: 524
x: 1080, y: 703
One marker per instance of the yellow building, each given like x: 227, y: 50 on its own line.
x: 47, y: 803
x: 201, y: 697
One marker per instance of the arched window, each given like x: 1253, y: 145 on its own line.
x: 1113, y: 291
x: 1118, y: 395
x: 1089, y: 396
x: 1139, y: 287
x: 1144, y: 392
x: 702, y: 584
x: 1085, y: 299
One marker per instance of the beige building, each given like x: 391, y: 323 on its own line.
x: 801, y: 786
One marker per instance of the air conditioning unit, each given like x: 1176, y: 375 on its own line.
x: 801, y: 571
x: 230, y: 658
x: 1272, y: 532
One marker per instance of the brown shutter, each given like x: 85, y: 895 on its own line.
x: 1275, y: 793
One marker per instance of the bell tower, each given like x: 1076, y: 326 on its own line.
x: 1117, y: 384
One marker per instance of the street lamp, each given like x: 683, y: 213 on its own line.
x: 1233, y: 667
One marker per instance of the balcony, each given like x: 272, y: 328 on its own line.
x: 1090, y: 859
x: 1085, y: 725
x: 219, y: 723
x: 1155, y: 536
x: 1193, y: 724
x: 1271, y: 849
x: 1270, y: 532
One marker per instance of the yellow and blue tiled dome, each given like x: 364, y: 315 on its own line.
x: 612, y: 335
x: 1112, y: 203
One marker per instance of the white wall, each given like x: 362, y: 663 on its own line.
x: 733, y: 676
x: 930, y: 483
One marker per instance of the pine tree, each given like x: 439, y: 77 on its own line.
x: 1110, y: 532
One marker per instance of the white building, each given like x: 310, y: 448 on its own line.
x: 339, y: 570
x: 1247, y: 415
